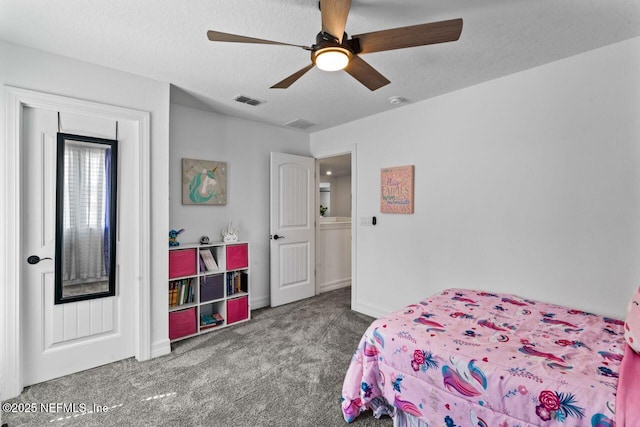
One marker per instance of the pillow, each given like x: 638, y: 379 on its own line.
x: 632, y: 324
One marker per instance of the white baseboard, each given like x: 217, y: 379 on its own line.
x: 160, y: 348
x: 333, y: 285
x: 369, y: 310
x: 259, y: 302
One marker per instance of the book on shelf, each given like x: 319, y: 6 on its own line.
x: 237, y: 282
x: 208, y: 320
x: 181, y: 292
x: 209, y: 261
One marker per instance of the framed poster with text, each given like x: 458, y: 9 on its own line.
x: 396, y: 189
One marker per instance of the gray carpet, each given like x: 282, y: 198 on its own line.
x: 283, y: 368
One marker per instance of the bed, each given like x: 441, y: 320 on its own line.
x: 473, y: 358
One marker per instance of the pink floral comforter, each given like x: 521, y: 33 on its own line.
x: 472, y: 358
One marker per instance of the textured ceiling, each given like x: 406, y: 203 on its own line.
x: 166, y: 40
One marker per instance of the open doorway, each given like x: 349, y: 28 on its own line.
x: 333, y: 247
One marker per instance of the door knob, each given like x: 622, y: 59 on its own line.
x: 34, y: 259
x: 276, y: 237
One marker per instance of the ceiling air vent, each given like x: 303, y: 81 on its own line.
x: 246, y: 100
x: 300, y: 124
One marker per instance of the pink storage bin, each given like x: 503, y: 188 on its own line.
x: 182, y: 323
x: 182, y: 262
x: 237, y: 309
x: 237, y: 256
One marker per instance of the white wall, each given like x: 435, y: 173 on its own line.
x: 339, y: 196
x: 245, y: 146
x: 526, y: 184
x: 40, y: 71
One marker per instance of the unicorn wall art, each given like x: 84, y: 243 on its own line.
x: 204, y: 182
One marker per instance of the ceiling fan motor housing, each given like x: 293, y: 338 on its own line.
x: 324, y: 40
x: 327, y: 44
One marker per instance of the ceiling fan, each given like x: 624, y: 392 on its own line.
x: 334, y: 51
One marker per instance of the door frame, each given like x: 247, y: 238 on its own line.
x: 16, y: 99
x: 354, y: 215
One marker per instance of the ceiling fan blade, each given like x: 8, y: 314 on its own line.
x: 414, y: 35
x: 217, y: 36
x: 292, y: 78
x: 334, y: 16
x: 365, y: 73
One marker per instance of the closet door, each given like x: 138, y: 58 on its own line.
x: 59, y: 339
x: 292, y: 228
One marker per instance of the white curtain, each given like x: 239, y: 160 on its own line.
x: 84, y: 213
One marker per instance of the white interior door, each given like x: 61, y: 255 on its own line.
x: 292, y: 228
x: 64, y: 338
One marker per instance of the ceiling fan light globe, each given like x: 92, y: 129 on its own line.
x: 331, y: 59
